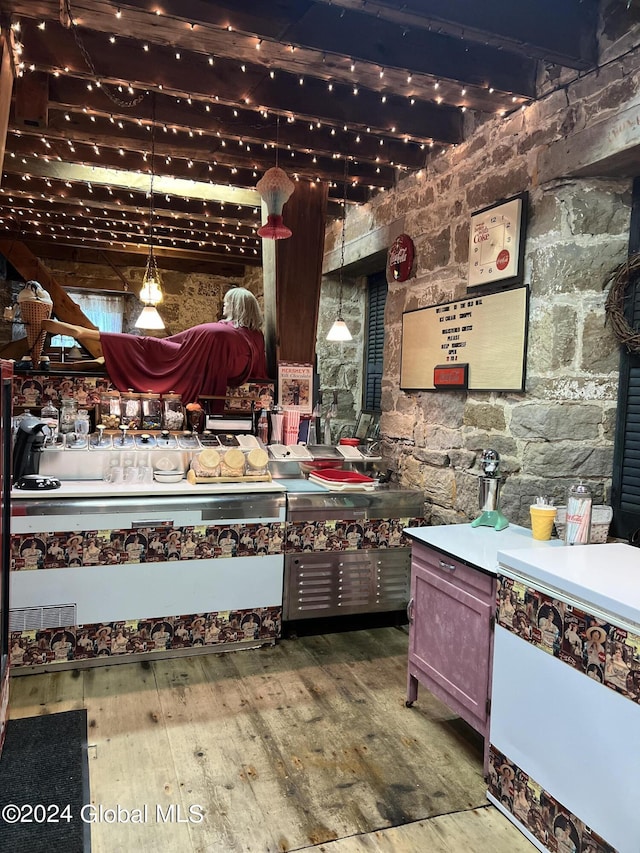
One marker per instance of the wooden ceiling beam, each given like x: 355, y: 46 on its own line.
x: 221, y: 123
x: 520, y: 27
x: 117, y: 198
x: 173, y: 159
x: 192, y: 75
x: 124, y: 258
x: 327, y: 36
x: 87, y: 206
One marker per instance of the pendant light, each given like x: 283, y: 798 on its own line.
x: 275, y: 187
x: 340, y: 331
x: 151, y: 291
x: 149, y: 319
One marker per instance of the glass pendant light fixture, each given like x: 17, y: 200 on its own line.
x: 340, y: 331
x: 151, y: 290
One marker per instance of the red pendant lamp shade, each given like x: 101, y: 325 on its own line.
x: 274, y: 188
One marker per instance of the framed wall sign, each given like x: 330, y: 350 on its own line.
x: 496, y: 242
x: 483, y: 335
x: 295, y: 386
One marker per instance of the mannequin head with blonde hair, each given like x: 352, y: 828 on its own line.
x: 240, y: 307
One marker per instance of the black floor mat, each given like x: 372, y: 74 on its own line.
x: 44, y: 769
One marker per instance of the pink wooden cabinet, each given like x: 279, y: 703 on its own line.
x: 451, y: 624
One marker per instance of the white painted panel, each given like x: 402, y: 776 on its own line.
x: 143, y: 590
x: 572, y: 735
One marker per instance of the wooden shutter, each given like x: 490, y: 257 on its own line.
x: 625, y: 491
x: 375, y: 341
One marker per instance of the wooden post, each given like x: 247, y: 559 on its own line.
x: 292, y: 277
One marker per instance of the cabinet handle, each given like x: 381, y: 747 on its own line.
x: 410, y: 611
x: 448, y: 566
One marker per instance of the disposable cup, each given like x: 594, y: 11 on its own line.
x: 114, y: 475
x: 542, y: 518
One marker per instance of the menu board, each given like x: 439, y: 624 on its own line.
x: 486, y: 333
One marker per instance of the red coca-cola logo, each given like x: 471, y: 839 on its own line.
x: 502, y: 261
x: 401, y: 255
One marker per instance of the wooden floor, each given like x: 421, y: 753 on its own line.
x: 304, y: 745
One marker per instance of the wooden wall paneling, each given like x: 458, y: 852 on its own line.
x: 6, y: 89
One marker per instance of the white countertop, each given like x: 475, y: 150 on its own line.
x: 606, y: 576
x: 100, y: 489
x: 478, y: 546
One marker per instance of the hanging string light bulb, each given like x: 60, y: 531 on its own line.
x: 275, y: 188
x: 340, y: 331
x: 151, y: 292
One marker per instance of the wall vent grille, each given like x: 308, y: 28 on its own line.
x: 47, y: 616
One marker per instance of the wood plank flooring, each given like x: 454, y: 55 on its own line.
x: 307, y: 744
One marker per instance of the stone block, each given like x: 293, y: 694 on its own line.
x: 609, y: 421
x: 478, y: 440
x: 433, y: 458
x: 553, y: 336
x: 549, y: 422
x: 396, y: 425
x: 433, y: 251
x: 574, y: 388
x: 484, y: 416
x: 462, y: 459
x: 567, y: 459
x: 497, y: 186
x: 438, y: 483
x: 600, y: 349
x: 445, y: 408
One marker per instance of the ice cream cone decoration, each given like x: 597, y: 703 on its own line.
x: 35, y: 306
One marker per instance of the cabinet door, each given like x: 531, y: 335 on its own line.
x: 450, y: 643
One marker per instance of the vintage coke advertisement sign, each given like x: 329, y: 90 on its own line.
x: 401, y: 255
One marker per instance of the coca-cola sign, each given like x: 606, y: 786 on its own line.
x: 401, y: 255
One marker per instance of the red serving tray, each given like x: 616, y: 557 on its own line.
x: 342, y: 480
x: 333, y: 475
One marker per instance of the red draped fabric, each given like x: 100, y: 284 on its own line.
x: 202, y: 360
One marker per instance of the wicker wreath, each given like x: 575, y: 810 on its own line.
x: 615, y: 304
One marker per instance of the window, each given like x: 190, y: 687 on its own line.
x: 374, y: 342
x: 625, y: 490
x: 104, y: 310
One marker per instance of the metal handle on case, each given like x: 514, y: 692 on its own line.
x: 448, y: 566
x: 155, y: 522
x: 410, y: 611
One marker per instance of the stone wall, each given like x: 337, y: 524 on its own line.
x: 562, y: 426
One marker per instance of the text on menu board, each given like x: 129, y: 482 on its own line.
x: 461, y: 312
x: 487, y: 333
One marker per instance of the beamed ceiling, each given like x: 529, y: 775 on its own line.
x: 214, y: 93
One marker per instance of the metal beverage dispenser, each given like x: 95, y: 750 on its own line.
x: 489, y: 485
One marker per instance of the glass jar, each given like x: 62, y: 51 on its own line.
x: 173, y: 414
x: 109, y: 415
x: 51, y: 416
x: 578, y: 522
x: 151, y: 411
x: 130, y: 410
x: 68, y: 415
x: 83, y: 424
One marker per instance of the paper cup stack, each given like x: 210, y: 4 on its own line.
x: 35, y: 306
x: 291, y: 426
